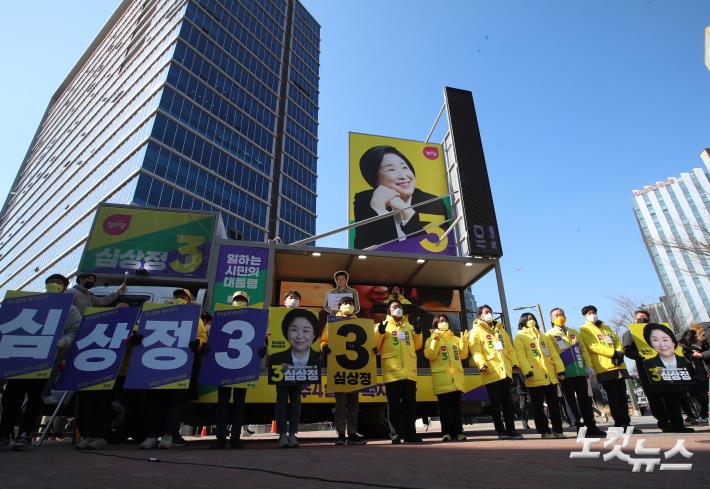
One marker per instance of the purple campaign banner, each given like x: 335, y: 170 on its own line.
x: 29, y: 329
x: 96, y: 355
x: 573, y: 362
x: 412, y: 245
x: 478, y: 394
x: 164, y: 359
x: 235, y: 338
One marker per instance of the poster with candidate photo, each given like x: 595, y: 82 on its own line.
x: 662, y: 356
x: 293, y: 346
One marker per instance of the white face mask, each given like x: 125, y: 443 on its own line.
x: 487, y: 317
x: 591, y: 318
x: 397, y: 313
x: 292, y: 302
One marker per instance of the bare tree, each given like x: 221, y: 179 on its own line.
x: 696, y: 247
x: 623, y: 313
x: 675, y: 316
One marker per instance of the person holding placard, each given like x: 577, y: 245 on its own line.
x: 347, y: 404
x: 445, y: 350
x: 397, y: 341
x: 494, y: 356
x: 342, y: 289
x: 542, y: 368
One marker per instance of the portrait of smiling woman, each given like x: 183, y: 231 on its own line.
x: 393, y: 180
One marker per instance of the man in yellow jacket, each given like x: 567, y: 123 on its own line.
x: 445, y: 350
x: 542, y: 368
x: 397, y: 341
x: 607, y: 356
x: 575, y: 386
x: 494, y: 355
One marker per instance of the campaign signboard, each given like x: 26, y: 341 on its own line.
x: 352, y: 364
x: 293, y: 347
x: 30, y: 326
x: 160, y: 243
x: 164, y: 360
x: 235, y: 338
x: 240, y: 268
x: 96, y: 355
x: 571, y: 357
x: 391, y: 174
x: 662, y: 356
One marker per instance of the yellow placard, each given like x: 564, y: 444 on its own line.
x: 292, y: 340
x: 352, y: 363
x: 663, y: 356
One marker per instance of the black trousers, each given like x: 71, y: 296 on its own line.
x: 618, y: 405
x: 288, y: 408
x: 665, y: 407
x: 501, y: 402
x: 576, y: 395
x: 164, y: 410
x: 699, y: 392
x: 95, y: 412
x: 402, y: 407
x: 540, y: 395
x: 12, y: 399
x: 450, y: 413
x: 230, y: 413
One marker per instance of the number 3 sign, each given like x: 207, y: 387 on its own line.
x: 351, y: 364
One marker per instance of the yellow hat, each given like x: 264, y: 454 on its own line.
x: 240, y: 293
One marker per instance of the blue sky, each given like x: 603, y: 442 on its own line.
x: 578, y: 104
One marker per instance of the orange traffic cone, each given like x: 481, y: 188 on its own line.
x: 204, y: 431
x: 273, y: 426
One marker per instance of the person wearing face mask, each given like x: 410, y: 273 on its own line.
x: 445, y: 350
x: 164, y: 409
x: 542, y: 369
x: 397, y: 341
x: 347, y: 404
x: 240, y: 299
x: 575, y: 385
x: 341, y: 289
x: 494, y: 355
x: 83, y: 297
x: 17, y: 389
x: 292, y: 299
x: 605, y: 352
x: 665, y: 405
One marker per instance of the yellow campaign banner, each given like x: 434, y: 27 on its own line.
x: 663, y: 357
x: 391, y: 174
x: 292, y: 347
x: 352, y: 364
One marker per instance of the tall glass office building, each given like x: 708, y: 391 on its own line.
x: 188, y: 104
x: 677, y: 211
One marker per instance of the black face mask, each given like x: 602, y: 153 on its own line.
x: 88, y: 285
x: 643, y: 321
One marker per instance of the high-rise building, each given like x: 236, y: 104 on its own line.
x: 674, y: 219
x: 189, y: 104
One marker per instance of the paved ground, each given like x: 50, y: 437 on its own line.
x: 483, y: 461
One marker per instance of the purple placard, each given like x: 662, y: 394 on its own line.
x: 29, y: 329
x: 235, y: 337
x: 164, y: 357
x: 480, y: 393
x: 412, y: 245
x: 96, y: 355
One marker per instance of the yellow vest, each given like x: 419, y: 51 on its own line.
x: 445, y: 350
x: 482, y: 343
x: 397, y: 349
x: 601, y: 343
x: 537, y: 355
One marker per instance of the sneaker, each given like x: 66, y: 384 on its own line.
x: 283, y: 441
x: 219, y: 444
x: 446, y: 437
x: 396, y: 440
x: 356, y: 439
x: 547, y: 436
x: 413, y: 439
x: 97, y: 444
x: 460, y: 437
x: 149, y: 443
x: 292, y: 441
x: 558, y: 435
x: 23, y: 442
x: 514, y: 435
x: 166, y: 441
x: 179, y: 441
x: 83, y: 444
x: 341, y: 440
x: 235, y: 443
x: 594, y: 432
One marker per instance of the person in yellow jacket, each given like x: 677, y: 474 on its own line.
x: 575, y: 386
x: 542, y: 368
x: 445, y: 350
x: 607, y: 356
x: 494, y: 356
x: 397, y: 341
x: 347, y: 404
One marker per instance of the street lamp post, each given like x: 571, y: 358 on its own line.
x: 539, y: 312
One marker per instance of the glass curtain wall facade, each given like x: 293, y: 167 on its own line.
x: 197, y: 104
x: 678, y: 211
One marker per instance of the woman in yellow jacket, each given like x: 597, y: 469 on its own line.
x: 494, y: 355
x: 397, y: 341
x: 543, y: 369
x: 445, y: 350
